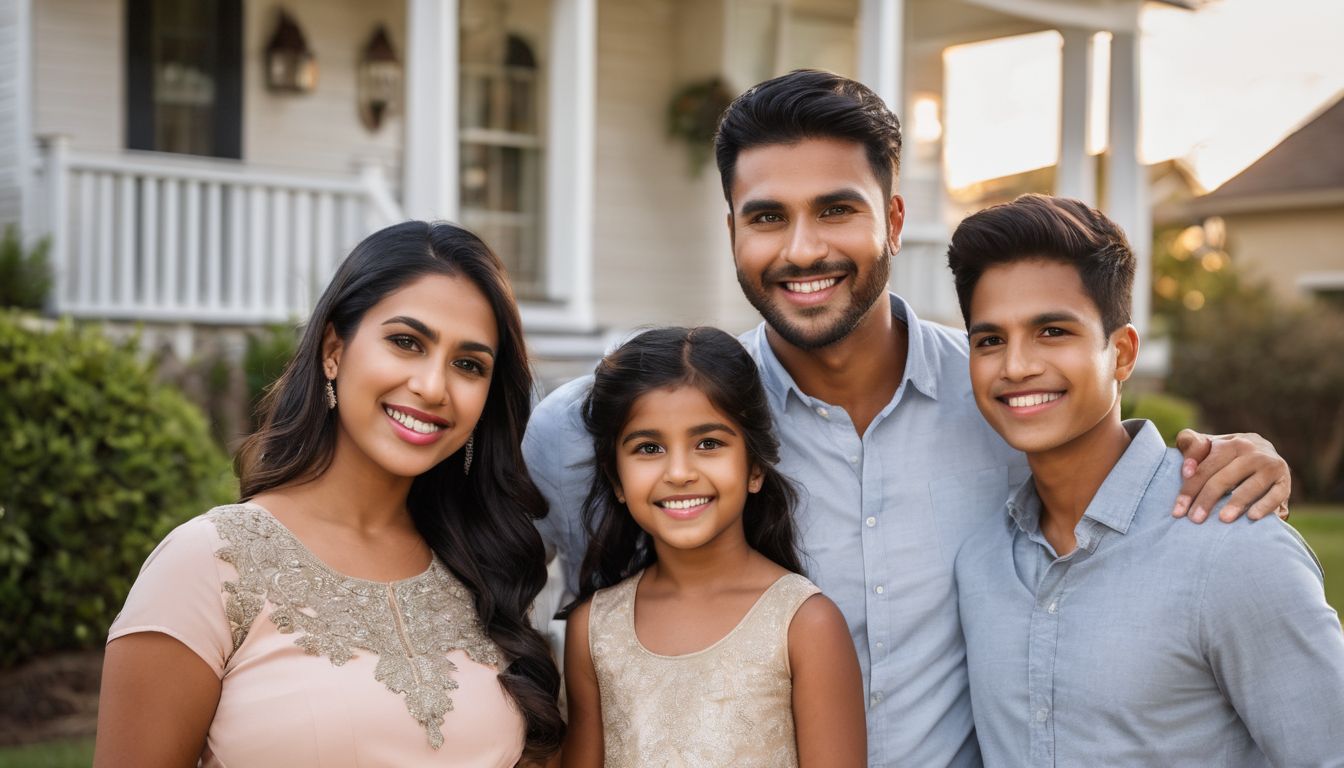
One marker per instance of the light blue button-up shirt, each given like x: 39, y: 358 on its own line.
x: 1155, y: 642
x: 881, y: 518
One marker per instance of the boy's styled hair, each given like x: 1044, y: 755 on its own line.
x: 1052, y: 228
x: 713, y: 362
x: 809, y: 104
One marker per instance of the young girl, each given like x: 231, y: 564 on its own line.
x: 695, y: 641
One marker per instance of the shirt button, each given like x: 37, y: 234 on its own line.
x: 876, y: 697
x: 823, y: 413
x: 879, y: 644
x: 853, y: 459
x: 1042, y: 715
x: 1054, y: 606
x: 879, y: 589
x: 870, y: 522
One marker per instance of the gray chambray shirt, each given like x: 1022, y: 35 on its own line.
x: 1155, y: 642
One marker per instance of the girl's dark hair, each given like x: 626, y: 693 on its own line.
x: 716, y: 364
x: 480, y: 525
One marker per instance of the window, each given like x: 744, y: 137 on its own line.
x: 501, y: 152
x: 183, y: 76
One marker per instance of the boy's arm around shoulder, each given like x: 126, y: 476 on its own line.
x: 583, y: 736
x: 828, y: 715
x: 1275, y: 645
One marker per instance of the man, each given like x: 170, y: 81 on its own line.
x: 873, y: 406
x: 1099, y: 631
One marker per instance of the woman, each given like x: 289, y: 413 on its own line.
x: 366, y: 603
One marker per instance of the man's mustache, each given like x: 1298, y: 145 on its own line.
x: 822, y: 268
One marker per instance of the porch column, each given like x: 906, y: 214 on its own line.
x: 1126, y: 178
x: 430, y: 162
x: 1077, y: 171
x: 572, y: 105
x: 881, y: 47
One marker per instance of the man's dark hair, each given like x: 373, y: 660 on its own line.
x: 809, y: 104
x: 1051, y: 228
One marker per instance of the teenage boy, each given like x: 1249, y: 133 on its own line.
x: 1100, y: 631
x: 873, y: 407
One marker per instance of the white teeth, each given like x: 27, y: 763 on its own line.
x: 412, y: 423
x: 1024, y: 401
x: 683, y: 503
x: 812, y: 286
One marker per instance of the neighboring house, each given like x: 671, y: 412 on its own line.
x: 1284, y: 214
x: 192, y: 173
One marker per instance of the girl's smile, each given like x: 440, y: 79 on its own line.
x: 683, y: 470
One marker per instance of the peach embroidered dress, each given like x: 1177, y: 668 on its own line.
x: 317, y: 668
x: 730, y: 704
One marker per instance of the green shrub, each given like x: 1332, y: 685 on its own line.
x: 25, y: 275
x: 1257, y: 366
x: 97, y: 463
x: 1170, y: 414
x: 268, y: 352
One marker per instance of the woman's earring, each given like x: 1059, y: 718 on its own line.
x: 331, y: 395
x: 471, y: 449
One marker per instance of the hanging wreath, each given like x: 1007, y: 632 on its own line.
x: 693, y: 116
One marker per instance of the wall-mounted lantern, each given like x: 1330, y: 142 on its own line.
x: 290, y: 65
x: 379, y: 80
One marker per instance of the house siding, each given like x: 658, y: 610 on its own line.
x: 79, y: 71
x: 318, y: 131
x: 660, y: 248
x: 1280, y: 246
x: 14, y: 154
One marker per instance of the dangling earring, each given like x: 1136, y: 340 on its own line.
x: 471, y: 449
x: 331, y: 395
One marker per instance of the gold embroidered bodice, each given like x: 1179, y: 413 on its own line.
x: 411, y: 625
x: 727, y: 705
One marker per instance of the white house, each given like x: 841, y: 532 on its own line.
x: 207, y: 162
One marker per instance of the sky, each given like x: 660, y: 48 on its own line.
x: 1220, y: 87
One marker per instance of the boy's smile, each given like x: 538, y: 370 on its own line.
x: 1043, y: 370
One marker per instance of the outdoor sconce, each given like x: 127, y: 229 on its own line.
x: 290, y: 65
x: 379, y: 80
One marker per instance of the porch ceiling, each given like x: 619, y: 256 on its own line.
x: 954, y: 22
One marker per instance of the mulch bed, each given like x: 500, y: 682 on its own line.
x: 51, y: 698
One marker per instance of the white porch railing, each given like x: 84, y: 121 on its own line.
x: 919, y: 274
x: 142, y: 236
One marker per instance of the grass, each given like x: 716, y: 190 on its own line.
x: 1321, y: 525
x: 58, y: 754
x: 1323, y: 528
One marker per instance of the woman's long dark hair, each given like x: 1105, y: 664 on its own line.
x: 480, y: 525
x: 716, y: 364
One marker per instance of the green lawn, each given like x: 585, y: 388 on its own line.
x: 1323, y: 528
x: 60, y: 754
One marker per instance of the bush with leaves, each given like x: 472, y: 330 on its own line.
x: 1256, y: 365
x: 98, y: 461
x: 25, y: 275
x: 267, y: 353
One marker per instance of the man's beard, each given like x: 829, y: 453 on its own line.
x: 863, y: 296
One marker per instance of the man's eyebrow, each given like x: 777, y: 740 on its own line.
x: 416, y: 325
x: 983, y: 328
x: 847, y: 195
x: 1045, y: 318
x: 752, y: 207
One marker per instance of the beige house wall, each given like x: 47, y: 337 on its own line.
x: 1279, y: 246
x: 321, y: 130
x: 79, y: 72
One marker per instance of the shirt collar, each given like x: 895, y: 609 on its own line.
x: 1117, y: 500
x: 920, y: 364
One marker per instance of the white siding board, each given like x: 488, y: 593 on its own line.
x: 79, y: 71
